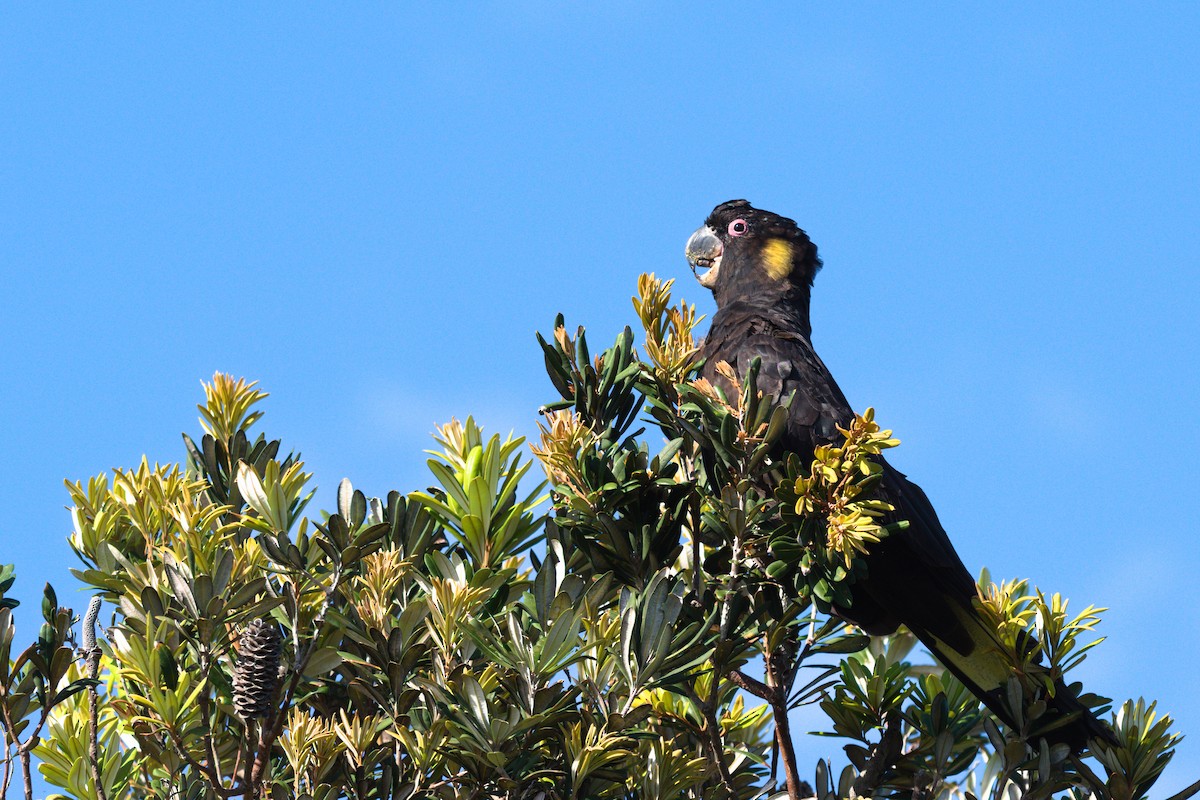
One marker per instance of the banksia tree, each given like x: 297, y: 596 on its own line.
x: 646, y: 634
x: 764, y: 551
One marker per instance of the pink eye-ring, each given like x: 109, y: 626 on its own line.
x: 738, y: 227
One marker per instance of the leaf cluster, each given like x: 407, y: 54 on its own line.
x: 427, y: 651
x: 645, y: 636
x: 33, y: 682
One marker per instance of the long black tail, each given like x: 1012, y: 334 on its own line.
x: 915, y: 577
x: 978, y: 671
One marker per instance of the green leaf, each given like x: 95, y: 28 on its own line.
x: 322, y: 662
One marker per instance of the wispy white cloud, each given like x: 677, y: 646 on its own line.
x: 402, y: 413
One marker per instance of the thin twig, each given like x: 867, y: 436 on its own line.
x: 93, y: 653
x: 713, y: 726
x: 210, y: 739
x: 94, y: 724
x: 207, y: 771
x: 8, y: 757
x: 25, y: 749
x: 25, y: 774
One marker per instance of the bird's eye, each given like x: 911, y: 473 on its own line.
x: 738, y: 227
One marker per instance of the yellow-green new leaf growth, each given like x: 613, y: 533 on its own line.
x: 228, y: 406
x: 594, y: 750
x: 668, y: 772
x: 309, y: 743
x: 1147, y: 745
x: 277, y: 497
x: 1009, y: 607
x: 670, y: 331
x: 64, y: 747
x: 358, y: 735
x: 373, y: 590
x: 1059, y: 634
x: 564, y: 438
x: 453, y: 601
x: 144, y: 510
x: 479, y: 504
x: 851, y: 532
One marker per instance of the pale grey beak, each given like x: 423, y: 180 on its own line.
x: 704, y: 251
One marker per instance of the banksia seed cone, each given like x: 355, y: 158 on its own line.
x: 89, y: 624
x: 257, y: 670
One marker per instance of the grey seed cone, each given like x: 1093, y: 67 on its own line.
x: 89, y: 624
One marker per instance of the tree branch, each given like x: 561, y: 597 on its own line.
x: 777, y: 697
x: 209, y: 772
x: 751, y: 685
x: 883, y: 757
x: 93, y: 664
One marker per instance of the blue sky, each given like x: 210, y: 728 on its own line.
x: 371, y: 209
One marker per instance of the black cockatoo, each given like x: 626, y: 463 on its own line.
x: 760, y: 267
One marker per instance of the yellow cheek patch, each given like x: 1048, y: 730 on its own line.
x: 777, y: 258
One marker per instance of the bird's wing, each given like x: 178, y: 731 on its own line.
x: 925, y: 532
x: 914, y: 575
x: 789, y: 367
x: 920, y: 558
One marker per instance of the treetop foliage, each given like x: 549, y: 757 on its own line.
x: 639, y: 625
